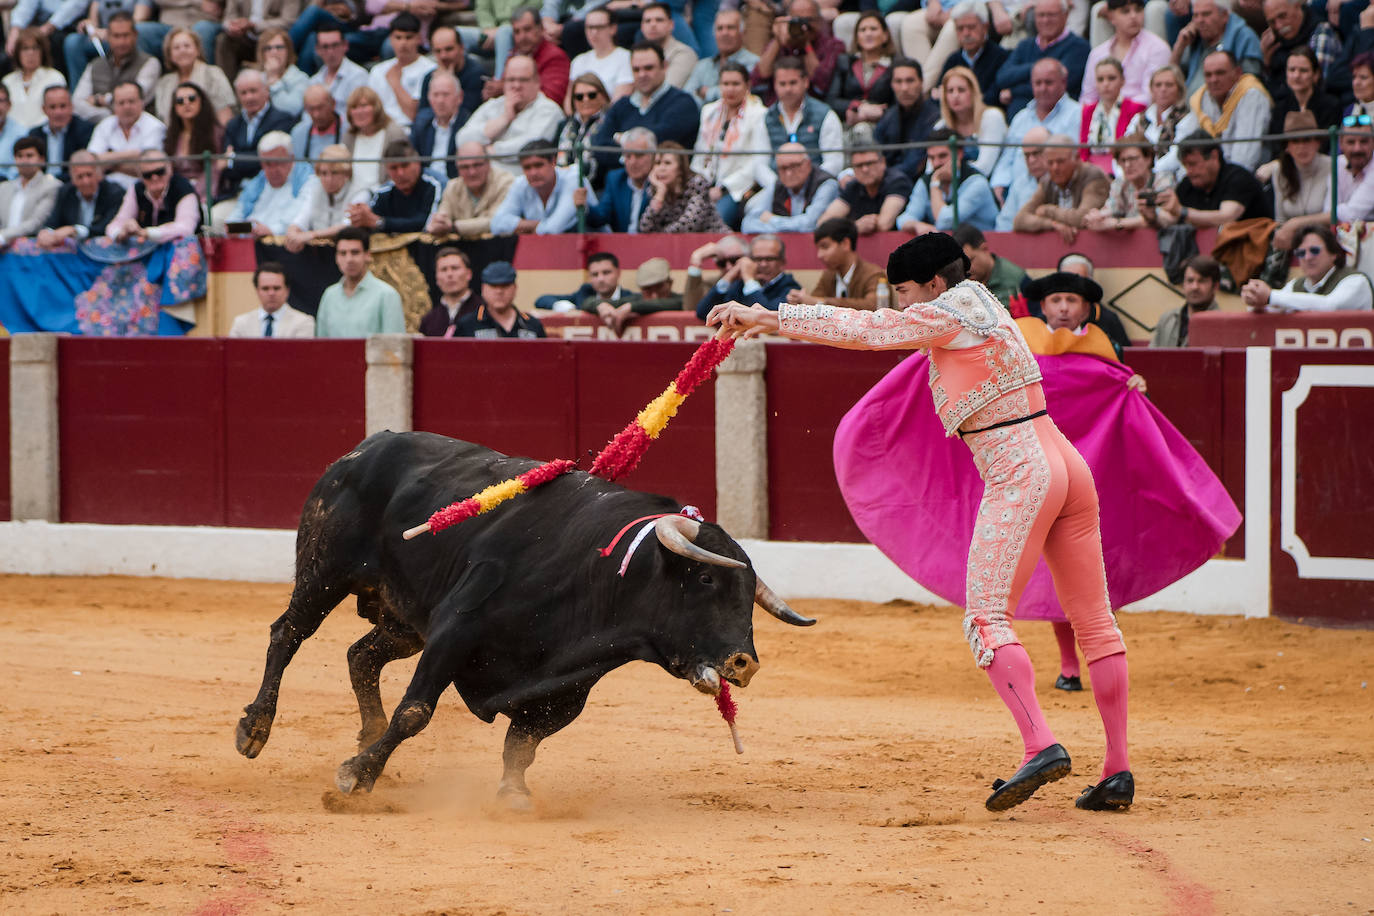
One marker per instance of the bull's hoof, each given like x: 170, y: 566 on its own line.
x: 351, y: 775
x: 251, y: 734
x: 515, y: 800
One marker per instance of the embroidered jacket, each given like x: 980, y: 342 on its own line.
x: 977, y: 353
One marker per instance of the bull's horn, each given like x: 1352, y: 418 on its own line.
x: 765, y: 598
x: 676, y: 532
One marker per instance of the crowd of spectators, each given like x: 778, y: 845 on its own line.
x: 468, y: 117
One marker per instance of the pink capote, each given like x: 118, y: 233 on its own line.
x: 914, y: 493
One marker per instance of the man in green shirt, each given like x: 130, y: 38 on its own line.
x: 1002, y: 278
x: 359, y: 305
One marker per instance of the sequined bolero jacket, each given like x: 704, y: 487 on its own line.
x: 977, y: 353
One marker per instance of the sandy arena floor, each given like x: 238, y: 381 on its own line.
x: 870, y: 742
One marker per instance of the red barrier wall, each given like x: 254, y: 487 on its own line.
x: 5, y: 431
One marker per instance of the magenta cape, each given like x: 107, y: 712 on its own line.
x: 914, y: 493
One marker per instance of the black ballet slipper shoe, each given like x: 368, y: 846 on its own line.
x: 1111, y: 794
x: 1050, y: 764
x: 1064, y: 682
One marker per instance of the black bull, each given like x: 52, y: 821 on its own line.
x: 516, y: 608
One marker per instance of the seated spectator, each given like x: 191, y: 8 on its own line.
x: 406, y: 202
x: 876, y: 196
x: 929, y: 209
x: 451, y: 59
x: 27, y: 82
x: 119, y: 138
x: 804, y: 36
x: 285, y: 81
x: 397, y: 81
x: 1302, y: 183
x: 733, y: 124
x: 1201, y: 280
x: 655, y: 103
x: 760, y: 278
x: 528, y: 39
x: 337, y: 73
x: 186, y: 64
x: 541, y: 200
x: 243, y: 22
x: 1167, y: 119
x: 656, y: 25
x: 1354, y: 177
x: 1052, y: 39
x: 979, y: 50
x: 590, y: 101
x: 365, y: 27
x: 159, y: 207
x: 272, y: 198
x: 1232, y: 105
x: 1024, y: 187
x: 1325, y: 285
x: 93, y: 96
x: 26, y: 201
x: 1002, y: 278
x: 369, y: 131
x: 325, y: 199
x: 963, y: 113
x: 1072, y: 302
x: 725, y: 251
x: 628, y: 191
x: 1075, y: 263
x: 848, y: 280
x: 49, y: 20
x: 1052, y: 110
x: 1137, y: 180
x: 1304, y: 91
x: 84, y: 206
x: 795, y: 199
x: 1292, y: 26
x: 257, y: 117
x: 1362, y: 85
x: 1141, y: 53
x: 497, y: 317
x: 453, y: 276
x: 320, y: 128
x: 191, y: 133
x: 655, y: 281
x: 505, y: 125
x: 681, y: 200
x: 62, y: 133
x: 1213, y: 27
x: 273, y: 317
x: 195, y: 15
x: 798, y: 118
x: 359, y: 305
x: 608, y: 63
x: 1070, y: 189
x: 471, y: 199
x: 1105, y: 120
x: 602, y: 295
x: 861, y: 89
x: 704, y: 83
x: 435, y: 132
x: 909, y: 119
x: 1215, y: 192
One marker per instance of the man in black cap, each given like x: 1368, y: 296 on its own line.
x: 1070, y: 300
x: 1038, y: 494
x: 498, y: 317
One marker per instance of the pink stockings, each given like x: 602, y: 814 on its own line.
x: 1068, y: 654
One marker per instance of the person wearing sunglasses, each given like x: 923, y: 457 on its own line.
x: 185, y: 57
x: 160, y: 207
x: 1354, y: 177
x: 589, y: 103
x: 1327, y: 283
x: 192, y: 132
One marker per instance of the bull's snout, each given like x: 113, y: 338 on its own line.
x: 739, y: 669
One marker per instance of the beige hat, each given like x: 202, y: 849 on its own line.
x: 652, y: 272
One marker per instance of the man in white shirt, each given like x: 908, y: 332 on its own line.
x: 523, y: 113
x: 272, y: 198
x: 1325, y: 285
x: 273, y: 317
x: 118, y: 140
x: 26, y: 201
x: 1354, y: 177
x: 398, y: 80
x: 337, y: 73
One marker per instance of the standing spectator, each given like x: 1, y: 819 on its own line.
x: 84, y: 206
x: 1140, y: 51
x: 453, y: 276
x: 861, y: 89
x: 627, y: 192
x: 273, y: 197
x: 1070, y: 189
x: 407, y: 201
x: 397, y: 81
x: 1326, y: 284
x: 1304, y: 92
x: 1201, y: 279
x: 325, y: 199
x: 528, y: 40
x: 62, y: 132
x: 876, y: 196
x: 760, y: 278
x: 1169, y: 117
x: 978, y: 49
x: 733, y: 144
x: 471, y: 199
x: 273, y: 317
x: 31, y: 78
x: 244, y: 21
x: 197, y: 15
x: 359, y: 305
x: 1033, y: 159
x: 1215, y: 192
x: 1293, y: 25
x: 795, y: 200
x: 26, y: 201
x: 963, y: 112
x: 192, y: 132
x: 656, y: 23
x: 369, y: 132
x: 1002, y: 278
x: 1137, y: 180
x: 119, y: 138
x: 1052, y: 39
x: 681, y: 201
x: 605, y: 61
x: 590, y: 101
x: 285, y: 82
x: 1213, y: 28
x: 1354, y: 177
x: 505, y: 125
x: 909, y: 119
x: 321, y: 127
x: 93, y: 96
x: 1105, y: 120
x: 803, y: 35
x: 541, y: 200
x: 655, y: 103
x: 848, y: 281
x: 1231, y: 106
x: 497, y: 317
x: 450, y: 58
x: 797, y: 117
x: 159, y: 207
x: 435, y: 133
x: 930, y: 207
x: 1302, y: 183
x: 704, y: 83
x: 256, y: 118
x: 337, y: 73
x: 182, y: 51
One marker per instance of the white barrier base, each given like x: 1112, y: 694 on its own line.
x: 793, y: 569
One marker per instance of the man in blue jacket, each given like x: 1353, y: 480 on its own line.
x: 756, y: 280
x: 1052, y: 39
x: 656, y: 104
x: 627, y: 190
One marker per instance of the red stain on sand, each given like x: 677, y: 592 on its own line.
x: 1186, y: 896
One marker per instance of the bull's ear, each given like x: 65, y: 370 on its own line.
x: 765, y: 598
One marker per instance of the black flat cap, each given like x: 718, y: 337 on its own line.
x: 920, y: 259
x: 1063, y: 282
